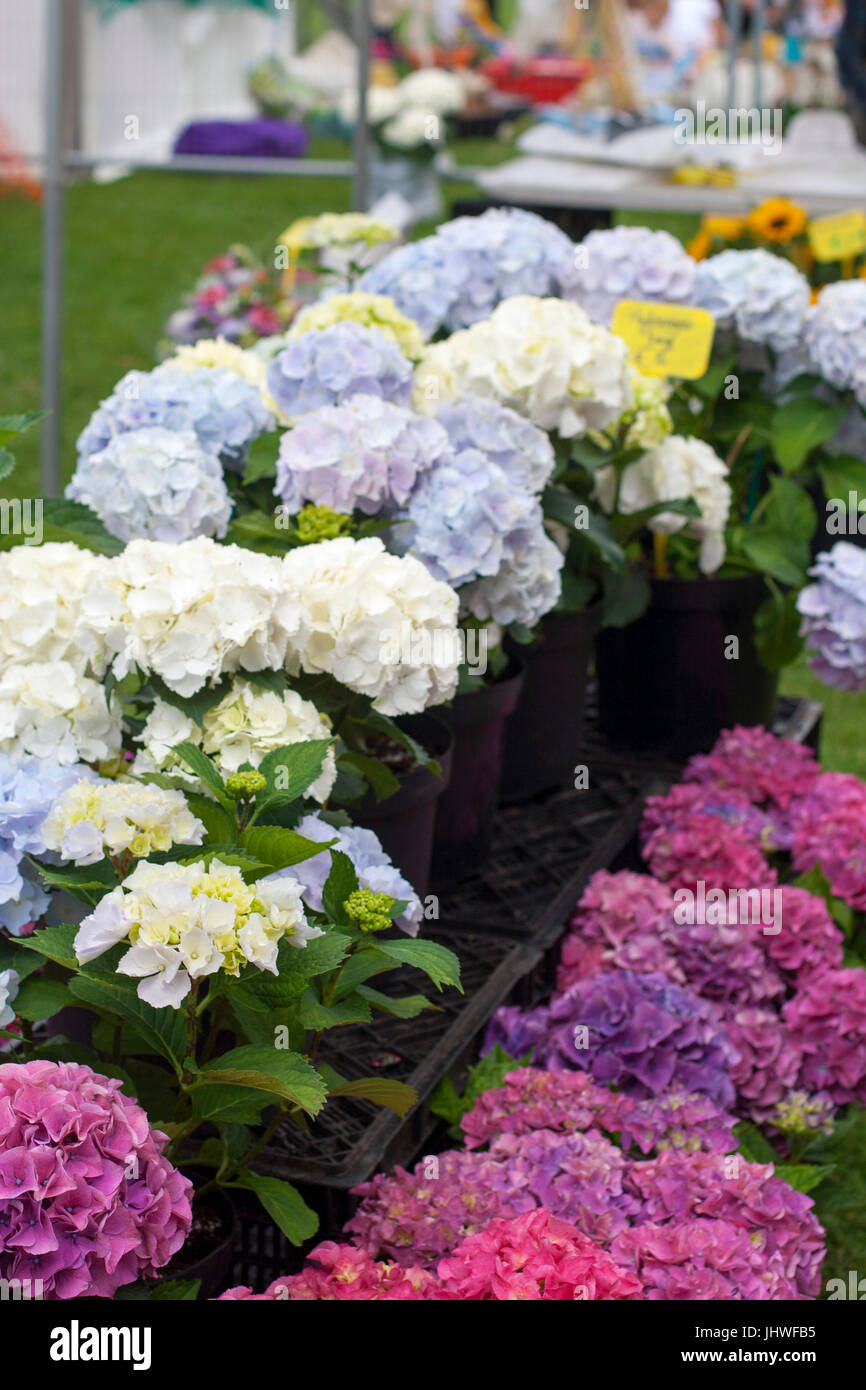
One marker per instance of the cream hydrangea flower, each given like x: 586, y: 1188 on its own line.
x: 358, y: 602
x: 49, y: 710
x: 544, y: 358
x: 247, y: 724
x: 371, y: 310
x: 219, y: 352
x: 91, y: 819
x: 186, y: 921
x: 41, y: 618
x: 340, y: 229
x: 680, y: 467
x: 193, y: 611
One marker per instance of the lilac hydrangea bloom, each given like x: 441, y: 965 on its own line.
x: 527, y: 584
x: 28, y: 788
x: 329, y: 366
x: 154, y: 483
x: 827, y: 1023
x: 834, y: 616
x: 513, y: 443
x: 699, y: 1259
x: 458, y: 276
x: 372, y: 865
x: 768, y: 1061
x: 225, y: 412
x: 835, y: 336
x: 762, y: 297
x: 639, y: 1033
x: 631, y: 263
x: 366, y: 453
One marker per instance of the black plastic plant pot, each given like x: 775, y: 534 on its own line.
x: 404, y: 821
x: 466, y: 811
x: 543, y: 737
x: 674, y: 679
x: 207, y: 1254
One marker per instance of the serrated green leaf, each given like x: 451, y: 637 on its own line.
x: 312, y: 1013
x: 753, y: 1145
x: 163, y: 1029
x: 340, y: 883
x: 396, y: 1095
x: 55, y: 943
x: 205, y: 769
x: 291, y: 770
x: 409, y: 1006
x: 804, y: 1176
x: 799, y: 426
x: 260, y: 1068
x: 284, y: 1204
x: 436, y: 961
x: 278, y: 847
x: 261, y: 991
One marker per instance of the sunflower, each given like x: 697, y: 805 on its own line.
x: 700, y: 246
x: 724, y: 228
x: 777, y: 220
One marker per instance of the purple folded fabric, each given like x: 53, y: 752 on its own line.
x: 259, y: 139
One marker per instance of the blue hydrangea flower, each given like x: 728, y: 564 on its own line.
x: 372, y: 866
x: 762, y: 297
x: 513, y: 443
x: 28, y: 788
x: 834, y: 617
x: 365, y: 454
x: 458, y: 276
x: 154, y: 483
x: 527, y: 585
x: 327, y: 367
x: 224, y: 411
x: 631, y: 263
x: 835, y: 336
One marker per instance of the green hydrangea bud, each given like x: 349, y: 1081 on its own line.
x: 321, y: 524
x: 242, y: 784
x: 368, y: 910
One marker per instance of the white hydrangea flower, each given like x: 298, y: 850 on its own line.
x: 411, y: 128
x: 9, y: 982
x: 193, y: 611
x: 41, y: 618
x: 440, y: 91
x: 246, y: 725
x: 184, y: 922
x: 156, y: 483
x: 544, y: 358
x: 91, y: 819
x: 357, y: 600
x: 680, y: 467
x: 49, y: 710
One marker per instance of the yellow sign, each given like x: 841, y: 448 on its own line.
x: 665, y: 339
x: 838, y: 237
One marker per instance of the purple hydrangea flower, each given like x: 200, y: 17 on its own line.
x: 329, y: 366
x: 834, y: 616
x: 513, y: 443
x: 827, y: 1023
x: 631, y: 263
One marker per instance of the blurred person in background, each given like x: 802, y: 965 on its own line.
x: 851, y: 57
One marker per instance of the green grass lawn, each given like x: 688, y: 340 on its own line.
x: 136, y: 246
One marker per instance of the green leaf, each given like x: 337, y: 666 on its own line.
x: 297, y: 766
x: 409, y: 1006
x: 262, y: 991
x: 777, y: 631
x: 70, y: 521
x: 256, y: 530
x: 280, y: 1073
x: 486, y: 1075
x: 436, y: 961
x: 366, y: 962
x: 87, y: 880
x: 753, y: 1146
x: 312, y: 1013
x: 789, y: 510
x: 7, y: 463
x: 284, y: 1204
x: 840, y: 477
x: 804, y: 1176
x: 774, y: 553
x: 799, y: 426
x: 278, y: 847
x: 41, y: 999
x: 220, y: 827
x: 341, y: 881
x: 13, y: 425
x: 55, y: 943
x: 380, y: 777
x: 626, y: 597
x: 206, y: 770
x: 163, y: 1029
x: 395, y: 1094
x: 262, y: 460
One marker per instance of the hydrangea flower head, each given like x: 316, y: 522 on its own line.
x: 514, y: 444
x: 757, y: 765
x: 829, y: 830
x: 41, y: 612
x: 366, y: 453
x: 768, y: 1062
x: 762, y: 297
x: 699, y: 1259
x: 342, y: 1274
x: 826, y: 1019
x: 49, y: 711
x: 330, y: 366
x: 631, y: 263
x: 372, y: 310
x: 833, y: 336
x: 834, y: 616
x: 186, y: 921
x: 91, y: 819
x: 87, y: 1200
x: 154, y: 482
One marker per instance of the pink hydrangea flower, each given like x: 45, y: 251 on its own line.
x: 706, y: 849
x: 769, y: 1060
x: 87, y: 1200
x: 826, y: 1019
x: 758, y: 764
x: 699, y: 1259
x: 830, y: 831
x: 343, y: 1273
x: 809, y: 940
x: 535, y: 1257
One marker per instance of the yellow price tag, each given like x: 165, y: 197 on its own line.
x: 665, y: 339
x: 837, y: 237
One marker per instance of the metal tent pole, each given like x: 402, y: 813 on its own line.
x: 735, y: 24
x: 52, y: 248
x: 361, y: 179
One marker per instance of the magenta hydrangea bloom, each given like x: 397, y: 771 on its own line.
x: 344, y: 1273
x: 809, y: 941
x: 756, y: 763
x: 708, y: 850
x: 537, y: 1257
x: 531, y: 1098
x: 639, y: 1033
x: 87, y: 1200
x: 617, y: 906
x: 725, y: 962
x: 699, y: 1259
x: 830, y: 831
x: 644, y: 955
x: 769, y: 1061
x: 682, y: 802
x: 827, y: 1023
x: 678, y: 1186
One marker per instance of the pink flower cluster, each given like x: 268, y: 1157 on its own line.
x: 826, y: 1020
x: 699, y: 1259
x: 830, y: 831
x: 769, y: 771
x: 532, y: 1256
x: 87, y: 1201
